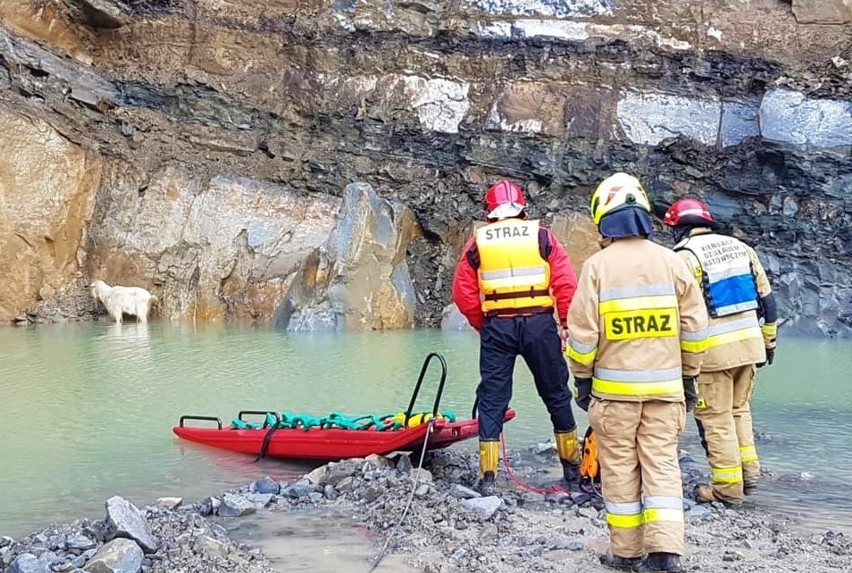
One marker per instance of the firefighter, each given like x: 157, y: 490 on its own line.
x: 637, y: 328
x: 511, y: 276
x: 738, y: 297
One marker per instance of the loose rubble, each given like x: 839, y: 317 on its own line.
x: 449, y: 527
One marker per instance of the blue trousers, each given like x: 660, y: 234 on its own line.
x: 536, y: 339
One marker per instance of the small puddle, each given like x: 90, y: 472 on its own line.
x: 314, y: 542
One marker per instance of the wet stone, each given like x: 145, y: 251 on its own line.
x: 28, y: 563
x: 265, y: 485
x: 236, y: 506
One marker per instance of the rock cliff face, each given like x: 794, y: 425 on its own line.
x: 200, y: 148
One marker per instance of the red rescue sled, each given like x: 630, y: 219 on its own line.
x: 333, y: 444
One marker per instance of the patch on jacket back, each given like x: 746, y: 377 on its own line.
x: 647, y: 323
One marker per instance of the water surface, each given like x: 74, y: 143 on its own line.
x: 87, y: 409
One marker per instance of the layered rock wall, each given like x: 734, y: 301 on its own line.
x: 215, y: 118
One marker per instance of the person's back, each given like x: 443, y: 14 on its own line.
x: 641, y: 285
x: 512, y: 278
x: 738, y: 296
x: 636, y: 326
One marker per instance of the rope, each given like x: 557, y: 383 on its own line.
x: 592, y: 490
x: 384, y: 550
x: 522, y: 484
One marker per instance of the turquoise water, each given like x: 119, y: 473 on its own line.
x: 88, y: 409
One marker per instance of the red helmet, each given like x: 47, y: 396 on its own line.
x: 688, y: 212
x: 504, y: 199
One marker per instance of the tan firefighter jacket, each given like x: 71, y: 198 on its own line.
x: 637, y: 323
x: 736, y: 339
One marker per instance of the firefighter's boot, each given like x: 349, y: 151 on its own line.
x: 568, y: 449
x: 659, y: 563
x: 489, y: 457
x: 616, y: 562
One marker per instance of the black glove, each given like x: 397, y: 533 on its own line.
x: 770, y: 356
x: 690, y: 392
x: 584, y: 392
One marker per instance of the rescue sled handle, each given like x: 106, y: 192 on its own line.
x: 423, y: 370
x: 207, y: 418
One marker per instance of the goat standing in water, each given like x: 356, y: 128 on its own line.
x: 119, y: 300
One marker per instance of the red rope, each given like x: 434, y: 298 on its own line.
x: 522, y: 484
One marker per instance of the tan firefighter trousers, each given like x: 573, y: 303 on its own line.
x: 640, y: 474
x: 724, y: 422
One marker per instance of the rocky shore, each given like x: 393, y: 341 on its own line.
x: 448, y: 527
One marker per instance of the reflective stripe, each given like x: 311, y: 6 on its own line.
x: 664, y: 501
x: 653, y: 515
x: 638, y: 375
x: 748, y: 454
x: 640, y: 303
x: 731, y: 271
x: 663, y: 508
x: 726, y: 475
x: 735, y: 308
x: 694, y: 341
x: 624, y: 508
x: 636, y: 291
x: 624, y: 521
x: 733, y: 331
x: 509, y: 273
x: 769, y: 330
x: 638, y: 382
x: 581, y: 353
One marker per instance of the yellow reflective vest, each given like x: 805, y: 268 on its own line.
x: 512, y: 274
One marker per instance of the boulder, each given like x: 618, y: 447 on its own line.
x: 453, y: 319
x: 649, y: 118
x: 47, y: 191
x: 117, y: 556
x: 220, y: 248
x: 28, y: 563
x: 236, y: 506
x: 126, y: 520
x: 790, y: 116
x: 823, y: 11
x: 359, y: 279
x: 578, y: 235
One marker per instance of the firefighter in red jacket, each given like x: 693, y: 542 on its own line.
x: 511, y: 275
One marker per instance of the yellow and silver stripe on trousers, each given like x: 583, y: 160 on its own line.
x: 748, y: 454
x: 656, y: 508
x: 624, y: 515
x: 663, y: 508
x: 726, y: 475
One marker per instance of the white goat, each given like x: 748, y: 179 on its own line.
x: 119, y: 300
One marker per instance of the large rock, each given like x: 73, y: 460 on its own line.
x: 28, y: 563
x: 125, y: 520
x: 649, y: 118
x: 578, y: 235
x: 47, y: 191
x: 117, y: 556
x: 358, y: 280
x: 210, y: 249
x: 792, y: 117
x: 823, y: 11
